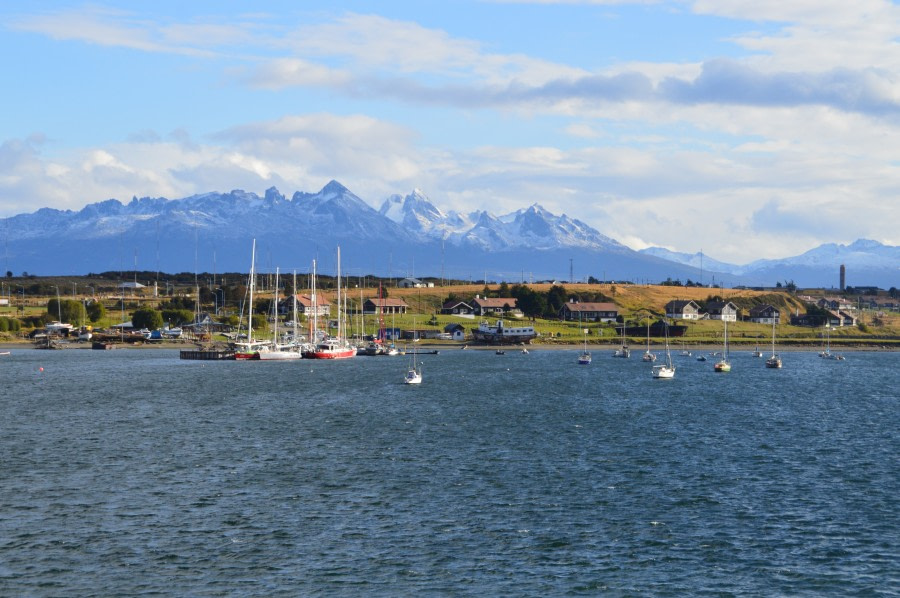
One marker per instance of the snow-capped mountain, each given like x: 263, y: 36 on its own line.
x: 533, y: 227
x: 407, y: 236
x: 866, y: 262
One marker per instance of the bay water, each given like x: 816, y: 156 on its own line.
x: 132, y: 472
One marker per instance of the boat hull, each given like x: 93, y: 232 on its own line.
x: 332, y: 354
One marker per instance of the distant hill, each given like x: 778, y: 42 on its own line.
x: 867, y: 263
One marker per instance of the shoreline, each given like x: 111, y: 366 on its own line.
x: 555, y: 346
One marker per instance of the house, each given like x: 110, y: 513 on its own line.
x: 835, y: 303
x: 488, y: 306
x: 765, y: 314
x: 722, y: 310
x: 457, y: 308
x: 589, y: 312
x: 414, y: 283
x: 808, y: 320
x: 306, y: 306
x: 385, y: 305
x: 682, y: 310
x: 456, y: 331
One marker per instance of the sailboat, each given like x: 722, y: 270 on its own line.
x: 250, y: 349
x: 623, y: 351
x: 666, y: 370
x: 585, y: 357
x: 774, y: 361
x: 827, y: 354
x: 279, y: 352
x: 648, y: 356
x: 414, y: 373
x: 723, y: 365
x: 684, y: 351
x: 335, y: 347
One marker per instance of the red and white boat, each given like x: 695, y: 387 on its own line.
x: 335, y: 347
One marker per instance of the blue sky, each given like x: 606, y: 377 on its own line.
x: 748, y: 129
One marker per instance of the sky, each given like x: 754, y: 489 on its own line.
x: 745, y: 129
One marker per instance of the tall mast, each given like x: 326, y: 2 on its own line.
x: 340, y: 326
x: 252, y: 285
x: 315, y: 305
x: 275, y: 311
x: 294, y: 298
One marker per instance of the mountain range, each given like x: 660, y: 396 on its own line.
x: 407, y: 236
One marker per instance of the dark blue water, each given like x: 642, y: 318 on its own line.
x: 132, y: 472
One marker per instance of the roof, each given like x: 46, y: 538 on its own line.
x: 494, y: 301
x: 679, y: 304
x: 306, y: 301
x: 387, y: 302
x: 589, y: 306
x: 454, y: 303
x: 452, y: 327
x: 719, y: 306
x: 758, y: 309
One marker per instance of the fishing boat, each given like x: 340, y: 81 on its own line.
x: 757, y: 352
x: 724, y: 365
x: 667, y: 369
x: 498, y: 334
x: 774, y: 361
x: 585, y: 357
x: 648, y: 356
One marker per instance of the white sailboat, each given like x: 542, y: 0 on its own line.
x: 648, y: 356
x: 827, y: 354
x: 585, y: 357
x: 666, y: 370
x: 623, y: 351
x: 774, y: 361
x: 723, y: 365
x: 279, y: 352
x: 414, y: 373
x: 250, y: 349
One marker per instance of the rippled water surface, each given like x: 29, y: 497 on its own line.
x: 133, y: 472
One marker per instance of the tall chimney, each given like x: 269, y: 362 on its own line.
x: 843, y: 278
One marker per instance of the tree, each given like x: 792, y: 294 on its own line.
x: 556, y: 298
x: 504, y: 290
x: 177, y: 317
x: 66, y: 310
x: 96, y: 311
x: 150, y: 319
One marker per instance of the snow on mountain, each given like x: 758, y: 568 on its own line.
x: 869, y: 262
x: 415, y: 212
x: 861, y: 253
x: 407, y: 232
